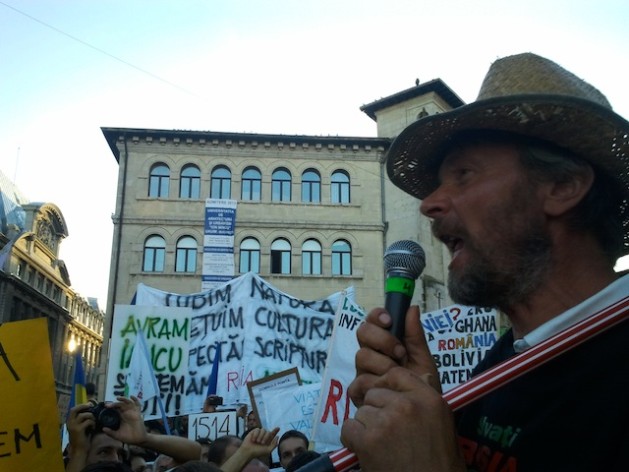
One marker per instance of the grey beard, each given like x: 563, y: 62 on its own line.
x: 484, y: 284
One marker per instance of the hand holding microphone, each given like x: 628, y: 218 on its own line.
x: 404, y: 261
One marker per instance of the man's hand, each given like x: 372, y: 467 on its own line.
x: 402, y: 421
x: 380, y: 351
x: 80, y: 422
x: 132, y: 429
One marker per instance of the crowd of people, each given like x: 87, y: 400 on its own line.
x: 135, y: 445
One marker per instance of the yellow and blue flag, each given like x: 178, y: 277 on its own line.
x: 79, y: 393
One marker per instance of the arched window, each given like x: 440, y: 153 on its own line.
x: 190, y: 182
x: 311, y: 257
x: 154, y: 254
x: 186, y: 256
x: 159, y: 180
x: 341, y: 258
x: 251, y: 185
x: 311, y: 186
x: 280, y: 185
x: 221, y: 183
x: 249, y: 256
x: 339, y: 187
x: 280, y: 256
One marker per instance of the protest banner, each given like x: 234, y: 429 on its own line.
x: 166, y: 334
x: 458, y: 337
x: 212, y: 425
x: 286, y: 378
x: 335, y: 405
x: 260, y: 329
x: 29, y: 425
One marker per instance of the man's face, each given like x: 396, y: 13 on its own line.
x: 490, y: 216
x: 104, y: 448
x: 252, y: 421
x: 289, y: 448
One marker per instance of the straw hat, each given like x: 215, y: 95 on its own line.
x: 528, y: 95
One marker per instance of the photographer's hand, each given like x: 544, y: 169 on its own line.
x: 79, y: 422
x: 132, y: 431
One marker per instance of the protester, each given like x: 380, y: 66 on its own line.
x: 164, y: 463
x: 90, y: 391
x: 291, y: 444
x: 197, y: 466
x: 205, y: 444
x: 528, y: 187
x: 232, y: 454
x: 138, y: 462
x: 252, y: 422
x: 91, y: 442
x: 256, y: 447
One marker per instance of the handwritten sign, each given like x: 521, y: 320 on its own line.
x: 261, y: 331
x: 335, y: 406
x: 212, y: 425
x: 29, y: 424
x: 167, y: 334
x: 458, y: 337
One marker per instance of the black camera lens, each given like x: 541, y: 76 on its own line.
x: 109, y: 418
x: 105, y: 417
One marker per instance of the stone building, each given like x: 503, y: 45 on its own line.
x: 35, y: 283
x: 314, y: 213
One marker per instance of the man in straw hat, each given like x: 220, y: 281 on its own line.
x: 528, y: 187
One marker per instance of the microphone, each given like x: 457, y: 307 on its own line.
x: 404, y: 261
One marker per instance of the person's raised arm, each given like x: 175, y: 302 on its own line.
x: 258, y: 442
x: 132, y: 431
x: 80, y: 421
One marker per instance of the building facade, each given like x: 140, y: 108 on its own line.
x: 314, y: 214
x: 35, y: 283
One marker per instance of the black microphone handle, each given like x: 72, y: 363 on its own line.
x: 397, y: 304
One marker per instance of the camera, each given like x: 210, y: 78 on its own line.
x: 105, y: 417
x: 214, y: 400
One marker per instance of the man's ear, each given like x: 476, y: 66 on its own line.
x: 562, y: 196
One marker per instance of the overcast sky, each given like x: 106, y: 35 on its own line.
x: 69, y: 67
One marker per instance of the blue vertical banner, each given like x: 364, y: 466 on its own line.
x: 218, y: 243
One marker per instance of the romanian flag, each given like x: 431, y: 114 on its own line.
x: 79, y: 394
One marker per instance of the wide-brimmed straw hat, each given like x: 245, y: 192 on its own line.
x: 526, y: 95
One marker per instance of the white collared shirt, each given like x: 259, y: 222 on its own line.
x: 613, y: 292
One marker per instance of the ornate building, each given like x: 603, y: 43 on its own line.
x: 35, y: 283
x: 314, y: 213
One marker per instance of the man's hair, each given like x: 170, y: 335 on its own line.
x: 90, y: 388
x: 216, y: 454
x: 107, y: 466
x: 197, y: 466
x: 600, y: 212
x: 293, y: 433
x: 301, y: 460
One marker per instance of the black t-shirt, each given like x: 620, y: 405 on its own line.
x: 570, y: 414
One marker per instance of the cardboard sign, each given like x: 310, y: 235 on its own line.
x: 212, y: 425
x: 29, y: 424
